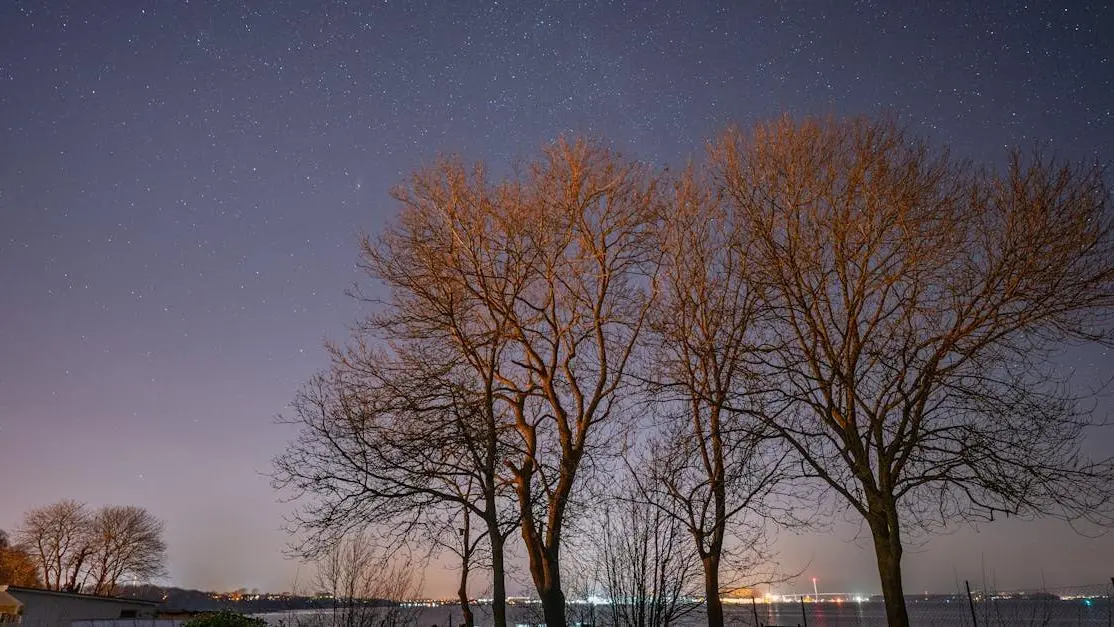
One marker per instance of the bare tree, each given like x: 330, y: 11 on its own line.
x: 648, y: 567
x: 17, y: 567
x: 919, y: 304
x: 74, y: 547
x: 466, y: 544
x: 539, y: 285
x: 403, y: 437
x: 442, y: 259
x: 579, y: 237
x: 127, y: 541
x: 367, y: 585
x: 458, y: 533
x: 57, y: 537
x: 713, y: 468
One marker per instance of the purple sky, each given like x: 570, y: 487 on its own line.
x: 182, y: 183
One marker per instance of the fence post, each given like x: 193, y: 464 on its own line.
x: 971, y: 603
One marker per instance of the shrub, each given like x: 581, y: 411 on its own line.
x: 224, y: 618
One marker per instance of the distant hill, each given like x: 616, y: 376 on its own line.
x: 183, y: 600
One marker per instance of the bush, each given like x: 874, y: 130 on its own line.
x: 224, y: 618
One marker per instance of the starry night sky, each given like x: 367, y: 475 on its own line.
x: 182, y: 185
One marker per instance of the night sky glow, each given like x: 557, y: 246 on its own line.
x: 182, y: 185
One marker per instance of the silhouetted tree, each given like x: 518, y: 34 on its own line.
x: 457, y: 533
x: 58, y: 538
x: 402, y: 438
x: 127, y: 541
x: 647, y: 565
x: 919, y: 303
x: 366, y: 584
x: 75, y: 548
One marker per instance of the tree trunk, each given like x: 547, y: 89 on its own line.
x: 545, y: 571
x: 887, y: 549
x: 462, y: 595
x: 711, y: 591
x: 499, y: 577
x: 553, y: 599
x: 544, y: 560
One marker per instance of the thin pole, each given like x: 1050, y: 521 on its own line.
x: 971, y: 603
x: 754, y: 608
x: 804, y: 616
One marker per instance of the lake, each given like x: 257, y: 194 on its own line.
x: 1096, y: 612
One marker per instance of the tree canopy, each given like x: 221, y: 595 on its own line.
x: 830, y: 305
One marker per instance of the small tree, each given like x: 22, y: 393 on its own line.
x: 918, y: 305
x: 646, y: 562
x: 400, y: 440
x: 58, y: 539
x: 76, y: 549
x: 367, y: 585
x: 458, y: 533
x: 225, y: 619
x: 126, y: 541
